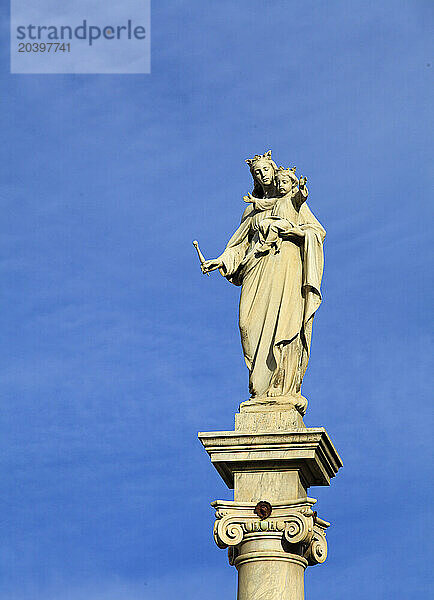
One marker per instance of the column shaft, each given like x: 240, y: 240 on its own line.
x: 266, y: 571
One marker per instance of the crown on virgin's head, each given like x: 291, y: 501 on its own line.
x: 266, y: 156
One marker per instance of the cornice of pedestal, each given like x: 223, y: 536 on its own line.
x: 310, y: 451
x: 296, y: 524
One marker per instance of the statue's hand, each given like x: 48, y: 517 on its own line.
x: 302, y: 181
x: 296, y: 231
x: 211, y: 265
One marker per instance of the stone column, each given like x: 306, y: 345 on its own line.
x: 270, y: 528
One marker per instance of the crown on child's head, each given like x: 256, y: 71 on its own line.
x: 257, y: 157
x: 289, y: 172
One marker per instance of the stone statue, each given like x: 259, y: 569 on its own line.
x: 276, y: 256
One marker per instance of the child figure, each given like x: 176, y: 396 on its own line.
x: 287, y: 184
x: 294, y: 193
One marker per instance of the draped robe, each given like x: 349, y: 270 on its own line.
x: 280, y: 291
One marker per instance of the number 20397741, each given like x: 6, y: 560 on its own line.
x: 44, y: 47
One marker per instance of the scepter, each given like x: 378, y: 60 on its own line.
x: 199, y: 253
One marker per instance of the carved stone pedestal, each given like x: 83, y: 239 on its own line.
x: 270, y: 529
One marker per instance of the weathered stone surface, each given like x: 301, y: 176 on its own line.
x: 276, y: 467
x: 308, y: 451
x: 271, y: 554
x: 271, y: 414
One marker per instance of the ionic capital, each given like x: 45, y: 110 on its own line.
x: 235, y: 520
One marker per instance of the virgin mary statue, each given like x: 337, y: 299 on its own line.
x: 276, y: 256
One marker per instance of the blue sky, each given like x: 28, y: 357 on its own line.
x: 116, y: 351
